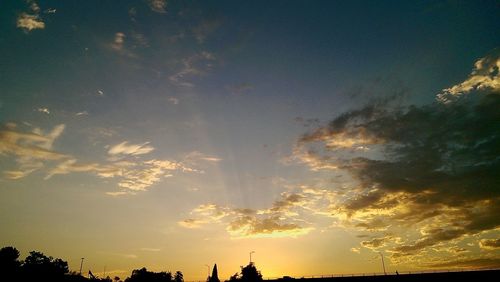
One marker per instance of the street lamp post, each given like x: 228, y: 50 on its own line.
x: 81, y: 264
x: 383, y: 264
x: 251, y: 256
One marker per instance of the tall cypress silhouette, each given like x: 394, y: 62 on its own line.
x: 215, y: 275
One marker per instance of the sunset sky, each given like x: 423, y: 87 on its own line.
x: 319, y: 134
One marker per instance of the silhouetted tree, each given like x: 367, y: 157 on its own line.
x: 37, y: 265
x: 143, y: 275
x: 234, y: 278
x: 215, y: 275
x: 9, y: 263
x: 250, y: 273
x: 116, y: 278
x: 178, y: 277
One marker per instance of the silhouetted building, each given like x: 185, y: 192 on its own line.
x: 215, y: 275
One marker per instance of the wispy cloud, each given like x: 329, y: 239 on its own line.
x: 18, y: 174
x: 205, y: 28
x: 125, y: 149
x: 31, y: 150
x: 466, y: 263
x: 118, y: 42
x: 195, y: 65
x: 50, y: 11
x: 283, y: 219
x: 158, y: 6
x: 195, y: 157
x: 43, y: 110
x: 490, y: 244
x: 173, y: 100
x: 118, y: 45
x: 132, y: 176
x: 83, y: 113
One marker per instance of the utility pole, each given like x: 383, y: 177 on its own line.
x: 383, y: 264
x: 251, y: 256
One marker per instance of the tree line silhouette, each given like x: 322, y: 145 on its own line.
x: 39, y: 267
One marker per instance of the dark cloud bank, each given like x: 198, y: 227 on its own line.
x: 438, y: 163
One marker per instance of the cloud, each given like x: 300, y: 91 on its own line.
x: 467, y: 263
x: 485, y: 76
x: 43, y: 110
x: 282, y: 219
x: 195, y: 157
x: 119, y: 193
x: 140, y: 39
x: 191, y: 223
x: 118, y: 41
x: 311, y: 158
x: 118, y: 45
x: 158, y: 6
x: 29, y: 22
x: 204, y: 29
x: 173, y: 100
x: 71, y: 165
x: 428, y: 172
x: 132, y: 176
x: 32, y: 20
x: 17, y: 174
x: 84, y: 113
x: 489, y: 244
x: 376, y: 243
x: 248, y: 226
x: 355, y: 250
x: 31, y: 149
x: 50, y: 11
x: 133, y: 150
x: 195, y: 65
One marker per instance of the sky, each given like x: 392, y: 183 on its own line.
x: 320, y: 135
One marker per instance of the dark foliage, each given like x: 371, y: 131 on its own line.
x: 38, y: 267
x: 143, y: 275
x: 249, y: 273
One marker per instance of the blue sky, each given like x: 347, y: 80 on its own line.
x: 145, y: 130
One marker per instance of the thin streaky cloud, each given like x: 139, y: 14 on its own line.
x: 133, y: 149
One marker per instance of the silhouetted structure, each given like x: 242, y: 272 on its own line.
x: 215, y: 275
